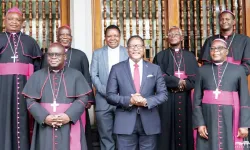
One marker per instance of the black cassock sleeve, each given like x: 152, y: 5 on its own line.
x: 170, y: 81
x: 77, y: 108
x: 244, y: 100
x: 245, y: 61
x: 86, y: 74
x: 193, y: 68
x: 198, y: 119
x: 37, y: 111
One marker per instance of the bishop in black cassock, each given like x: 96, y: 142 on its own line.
x: 237, y: 44
x: 20, y: 55
x: 179, y: 68
x: 221, y: 103
x: 78, y: 60
x: 56, y: 97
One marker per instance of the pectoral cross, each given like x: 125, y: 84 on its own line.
x: 216, y: 93
x: 14, y: 58
x: 54, y: 105
x: 179, y: 73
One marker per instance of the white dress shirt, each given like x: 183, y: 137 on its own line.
x: 113, y: 56
x: 132, y: 67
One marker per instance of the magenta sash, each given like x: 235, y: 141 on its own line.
x: 231, y: 60
x: 182, y: 74
x: 16, y: 68
x: 227, y: 98
x: 83, y: 118
x: 75, y: 131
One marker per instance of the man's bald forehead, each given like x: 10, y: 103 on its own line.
x: 174, y: 28
x: 57, y: 45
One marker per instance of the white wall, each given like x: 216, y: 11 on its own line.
x: 81, y: 26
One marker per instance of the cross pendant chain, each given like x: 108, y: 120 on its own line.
x: 216, y: 93
x: 55, y: 104
x: 14, y: 58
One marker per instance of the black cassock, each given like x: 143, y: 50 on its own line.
x: 14, y: 132
x: 72, y: 89
x: 78, y: 60
x: 176, y: 113
x: 224, y: 115
x: 239, y: 50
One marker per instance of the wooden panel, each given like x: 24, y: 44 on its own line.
x: 247, y: 21
x: 173, y: 13
x: 97, y: 24
x: 247, y: 15
x: 65, y: 12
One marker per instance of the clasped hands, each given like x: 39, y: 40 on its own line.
x: 182, y: 85
x: 57, y: 120
x: 137, y: 100
x: 242, y: 132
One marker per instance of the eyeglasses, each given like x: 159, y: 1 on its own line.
x: 220, y: 48
x: 55, y: 54
x: 173, y: 34
x: 135, y: 46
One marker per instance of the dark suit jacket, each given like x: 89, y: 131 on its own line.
x: 119, y: 89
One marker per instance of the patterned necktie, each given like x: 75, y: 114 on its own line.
x: 137, y: 78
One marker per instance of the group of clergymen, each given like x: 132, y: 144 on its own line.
x: 44, y: 99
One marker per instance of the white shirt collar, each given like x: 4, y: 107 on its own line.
x: 113, y: 49
x: 140, y: 63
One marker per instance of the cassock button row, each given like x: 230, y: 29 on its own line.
x: 179, y: 108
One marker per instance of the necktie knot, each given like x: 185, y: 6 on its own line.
x: 136, y: 65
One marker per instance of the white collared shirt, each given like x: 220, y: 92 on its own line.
x: 132, y: 67
x: 113, y: 56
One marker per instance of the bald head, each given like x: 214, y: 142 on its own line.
x: 57, y: 46
x: 56, y: 56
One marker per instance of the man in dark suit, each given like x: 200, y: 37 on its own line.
x: 136, y: 87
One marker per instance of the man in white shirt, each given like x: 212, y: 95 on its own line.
x: 102, y: 61
x: 136, y: 87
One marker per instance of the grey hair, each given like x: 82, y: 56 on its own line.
x: 175, y: 27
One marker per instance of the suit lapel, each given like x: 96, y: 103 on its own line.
x: 128, y: 73
x: 144, y: 75
x: 105, y: 59
x: 122, y: 54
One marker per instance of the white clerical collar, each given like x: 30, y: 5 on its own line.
x: 66, y: 50
x: 177, y: 50
x: 113, y: 49
x: 219, y: 63
x: 56, y: 71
